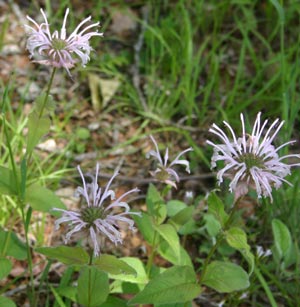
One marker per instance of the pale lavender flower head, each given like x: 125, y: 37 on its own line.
x: 260, y: 252
x: 165, y: 172
x: 96, y: 218
x: 251, y: 161
x: 58, y: 49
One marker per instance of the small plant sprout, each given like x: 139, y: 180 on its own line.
x: 94, y: 217
x: 164, y: 172
x: 58, y: 49
x: 251, y: 161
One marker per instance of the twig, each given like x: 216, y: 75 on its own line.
x: 142, y: 181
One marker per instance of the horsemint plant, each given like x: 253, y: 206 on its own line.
x: 101, y: 214
x: 250, y: 161
x: 55, y: 50
x: 153, y: 284
x: 247, y: 160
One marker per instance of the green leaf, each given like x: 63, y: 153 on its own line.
x: 160, y: 213
x: 93, y: 287
x: 216, y: 208
x: 175, y: 206
x: 237, y: 239
x: 190, y: 227
x: 10, y: 245
x: 42, y: 199
x: 282, y: 237
x: 145, y: 226
x: 83, y: 133
x: 152, y: 199
x: 169, y: 234
x: 58, y: 298
x: 182, y: 217
x: 65, y: 254
x: 140, y: 277
x: 5, y: 267
x: 23, y: 172
x: 279, y: 9
x: 112, y: 265
x: 175, y: 285
x: 185, y: 304
x: 124, y: 287
x: 114, y: 302
x: 165, y: 250
x: 68, y: 292
x: 249, y: 257
x: 39, y: 103
x: 8, y: 184
x: 37, y: 127
x: 6, y: 302
x: 225, y: 277
x: 212, y: 225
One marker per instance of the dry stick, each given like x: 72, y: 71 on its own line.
x: 150, y: 180
x: 137, y: 49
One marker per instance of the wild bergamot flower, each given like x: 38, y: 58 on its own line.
x: 164, y: 172
x: 251, y: 161
x: 94, y: 217
x: 57, y: 49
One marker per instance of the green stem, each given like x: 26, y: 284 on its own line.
x: 220, y: 238
x: 152, y: 255
x: 8, y: 237
x: 91, y: 252
x: 47, y: 92
x: 265, y: 286
x: 165, y: 190
x: 29, y: 257
x: 28, y: 155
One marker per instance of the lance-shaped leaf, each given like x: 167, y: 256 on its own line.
x: 66, y: 254
x: 216, y: 208
x: 112, y: 265
x: 93, y: 287
x: 11, y: 245
x: 169, y: 234
x: 175, y: 285
x: 225, y: 277
x: 37, y: 127
x: 8, y: 184
x: 282, y: 238
x: 43, y: 199
x: 237, y: 238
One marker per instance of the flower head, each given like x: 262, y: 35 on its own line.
x: 251, y: 161
x: 94, y: 217
x: 58, y: 49
x: 164, y: 172
x: 260, y: 252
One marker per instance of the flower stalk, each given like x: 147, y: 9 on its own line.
x: 220, y: 237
